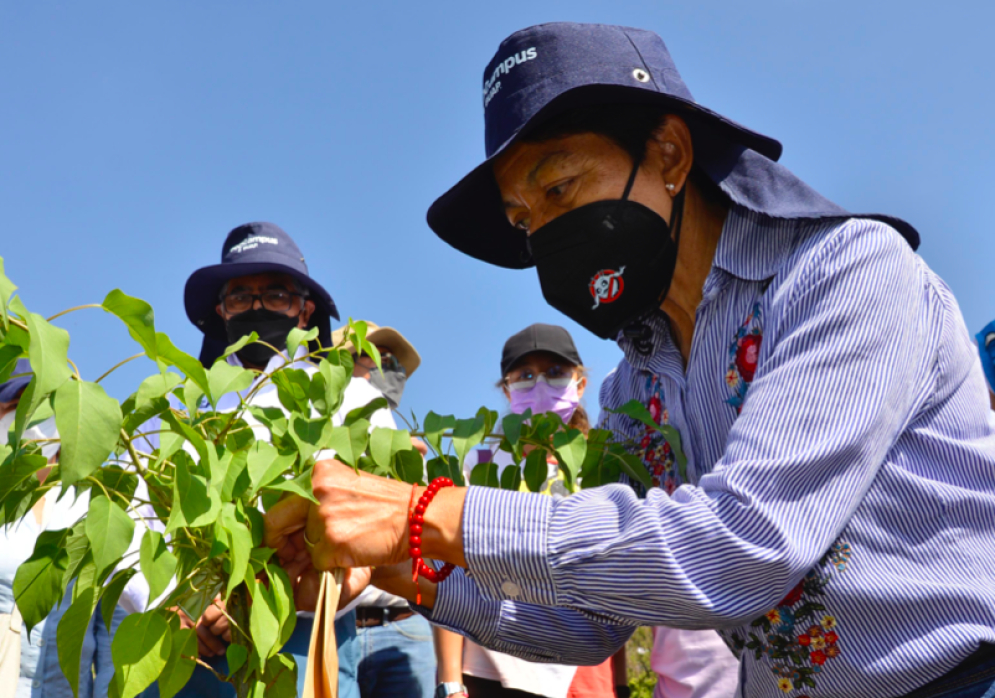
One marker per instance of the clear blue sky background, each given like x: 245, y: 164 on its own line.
x: 134, y: 135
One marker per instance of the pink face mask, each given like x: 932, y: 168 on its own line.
x: 543, y: 397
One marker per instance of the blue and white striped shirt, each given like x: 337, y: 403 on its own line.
x: 838, y: 526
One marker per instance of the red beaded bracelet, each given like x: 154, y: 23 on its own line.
x: 416, y: 518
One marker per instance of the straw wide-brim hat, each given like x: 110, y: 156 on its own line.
x: 388, y: 337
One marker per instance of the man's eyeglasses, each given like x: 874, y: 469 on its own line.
x: 389, y: 362
x: 525, y: 378
x: 277, y: 300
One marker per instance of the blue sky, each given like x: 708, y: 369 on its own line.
x: 135, y: 135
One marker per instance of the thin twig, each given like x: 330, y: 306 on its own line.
x: 118, y: 365
x: 78, y: 307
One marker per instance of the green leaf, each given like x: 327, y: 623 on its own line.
x: 179, y: 669
x: 273, y: 418
x: 110, y: 531
x: 224, y: 378
x: 141, y: 648
x: 48, y: 351
x: 349, y: 442
x: 136, y: 417
x: 511, y: 425
x: 300, y: 485
x: 236, y: 655
x: 9, y: 354
x: 536, y: 470
x: 156, y: 386
x: 157, y: 562
x: 445, y: 466
x: 490, y: 418
x: 17, y: 469
x: 282, y: 594
x: 89, y: 424
x: 7, y: 288
x: 467, y: 435
x: 598, y: 469
x: 511, y: 478
x: 38, y: 581
x: 636, y: 410
x: 485, y: 475
x: 77, y: 547
x: 409, y: 466
x: 293, y: 386
x: 239, y: 545
x: 571, y: 447
x: 190, y: 366
x: 363, y: 414
x: 112, y: 592
x: 631, y: 464
x: 72, y: 632
x: 237, y: 480
x: 266, y: 464
x: 137, y: 315
x: 310, y: 435
x: 194, y: 503
x: 263, y: 622
x: 434, y: 426
x: 237, y: 346
x: 298, y: 337
x: 384, y: 443
x: 329, y: 383
x: 193, y: 396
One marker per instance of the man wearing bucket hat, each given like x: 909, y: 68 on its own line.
x: 834, y: 517
x: 262, y: 285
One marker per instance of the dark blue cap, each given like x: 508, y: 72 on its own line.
x: 253, y: 248
x: 11, y: 389
x: 546, y: 70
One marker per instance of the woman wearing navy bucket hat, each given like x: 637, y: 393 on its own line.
x: 837, y: 520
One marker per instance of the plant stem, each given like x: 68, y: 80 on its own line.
x: 78, y: 307
x: 118, y: 365
x: 134, y: 456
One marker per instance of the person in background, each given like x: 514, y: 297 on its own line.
x: 542, y: 371
x: 395, y: 649
x: 40, y: 674
x: 262, y: 285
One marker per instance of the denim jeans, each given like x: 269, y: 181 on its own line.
x: 397, y: 659
x: 203, y: 684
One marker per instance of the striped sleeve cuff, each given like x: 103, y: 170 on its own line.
x: 505, y: 544
x: 460, y: 607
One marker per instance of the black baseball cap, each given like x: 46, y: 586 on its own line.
x: 539, y: 337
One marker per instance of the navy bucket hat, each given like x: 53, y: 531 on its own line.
x: 253, y: 248
x: 543, y: 71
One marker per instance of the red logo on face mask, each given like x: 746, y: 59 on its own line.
x: 606, y: 286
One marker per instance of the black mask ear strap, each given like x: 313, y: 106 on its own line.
x: 677, y: 214
x: 632, y: 177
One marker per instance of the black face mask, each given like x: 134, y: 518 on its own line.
x: 607, y: 263
x: 271, y: 326
x: 390, y: 383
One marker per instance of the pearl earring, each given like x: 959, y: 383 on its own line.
x: 670, y: 187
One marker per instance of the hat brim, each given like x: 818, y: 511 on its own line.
x: 200, y: 298
x: 470, y: 216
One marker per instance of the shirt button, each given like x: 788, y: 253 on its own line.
x: 511, y: 589
x: 41, y: 642
x: 36, y: 683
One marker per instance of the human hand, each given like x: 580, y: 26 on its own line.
x: 216, y: 620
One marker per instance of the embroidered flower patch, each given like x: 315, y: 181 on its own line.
x: 797, y: 636
x: 744, y: 350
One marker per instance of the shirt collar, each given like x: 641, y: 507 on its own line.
x: 752, y: 244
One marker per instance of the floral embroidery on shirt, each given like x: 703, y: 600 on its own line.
x: 654, y: 450
x: 743, y: 353
x: 798, y: 636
